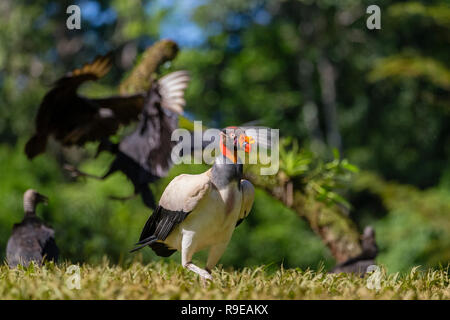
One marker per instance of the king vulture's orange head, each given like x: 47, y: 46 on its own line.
x: 233, y: 139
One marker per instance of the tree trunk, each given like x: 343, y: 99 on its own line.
x: 327, y: 77
x: 141, y: 77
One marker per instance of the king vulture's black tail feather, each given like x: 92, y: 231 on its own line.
x: 151, y: 238
x: 145, y: 242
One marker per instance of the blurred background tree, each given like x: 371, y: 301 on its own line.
x: 310, y: 68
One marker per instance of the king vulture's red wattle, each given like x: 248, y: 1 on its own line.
x: 201, y: 211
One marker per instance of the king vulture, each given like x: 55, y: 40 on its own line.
x: 73, y: 119
x: 31, y: 240
x: 201, y: 211
x: 144, y: 156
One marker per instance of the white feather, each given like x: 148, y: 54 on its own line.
x: 172, y: 88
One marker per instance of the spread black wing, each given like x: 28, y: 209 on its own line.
x: 73, y: 119
x: 150, y: 144
x: 144, y: 156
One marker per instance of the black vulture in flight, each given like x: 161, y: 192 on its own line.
x: 145, y: 155
x: 73, y: 119
x: 31, y: 240
x: 366, y: 258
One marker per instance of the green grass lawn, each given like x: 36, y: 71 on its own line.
x: 170, y: 281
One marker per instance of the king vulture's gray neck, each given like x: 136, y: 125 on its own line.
x: 224, y: 172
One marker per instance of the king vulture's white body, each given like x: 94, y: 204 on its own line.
x: 213, y: 219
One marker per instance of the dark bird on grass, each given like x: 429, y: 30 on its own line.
x: 360, y: 263
x: 73, y: 119
x: 201, y: 211
x: 31, y: 239
x: 144, y: 156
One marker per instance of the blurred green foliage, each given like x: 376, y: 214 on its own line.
x: 310, y: 68
x: 314, y: 176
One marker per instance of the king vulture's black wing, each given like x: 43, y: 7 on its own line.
x: 179, y: 199
x: 158, y: 227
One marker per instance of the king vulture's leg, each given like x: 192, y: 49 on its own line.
x: 187, y: 251
x: 215, y: 253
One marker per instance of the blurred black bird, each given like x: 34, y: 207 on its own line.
x: 144, y: 156
x: 73, y: 119
x: 31, y: 240
x: 360, y: 263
